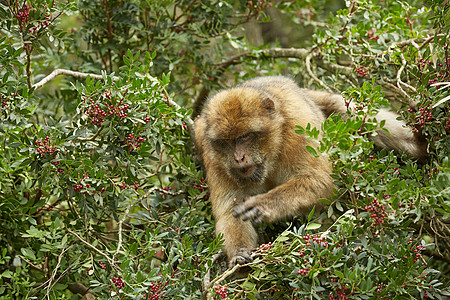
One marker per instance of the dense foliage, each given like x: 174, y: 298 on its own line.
x: 101, y: 195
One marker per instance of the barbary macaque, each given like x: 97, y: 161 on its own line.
x: 258, y: 168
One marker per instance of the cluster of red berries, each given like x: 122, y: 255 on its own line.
x: 56, y: 164
x: 202, y: 186
x: 221, y: 290
x: 166, y: 189
x: 83, y: 187
x: 362, y: 71
x: 35, y: 29
x: 447, y: 124
x: 308, y: 239
x: 264, y: 247
x: 372, y: 36
x: 79, y: 187
x: 259, y: 5
x: 118, y: 282
x: 4, y: 102
x: 379, y: 289
x: 154, y: 293
x: 45, y: 146
x: 120, y: 111
x: 304, y: 271
x: 417, y: 252
x: 305, y: 14
x: 424, y: 116
x: 378, y: 212
x: 340, y: 292
x: 423, y: 63
x: 102, y: 265
x: 96, y: 114
x: 431, y: 173
x: 133, y: 142
x: 24, y: 15
x: 301, y: 252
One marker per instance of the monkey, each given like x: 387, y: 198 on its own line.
x: 258, y: 168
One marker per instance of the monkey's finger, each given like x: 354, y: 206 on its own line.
x: 258, y: 220
x: 251, y: 214
x: 239, y: 210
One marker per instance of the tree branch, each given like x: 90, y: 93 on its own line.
x: 110, y: 260
x: 301, y: 54
x: 58, y: 72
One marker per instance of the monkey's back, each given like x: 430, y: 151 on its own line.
x: 294, y: 103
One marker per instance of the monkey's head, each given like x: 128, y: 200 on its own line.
x: 242, y: 133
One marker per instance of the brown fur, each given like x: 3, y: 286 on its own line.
x: 257, y: 167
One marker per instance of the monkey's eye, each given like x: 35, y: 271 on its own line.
x: 221, y: 143
x: 248, y: 137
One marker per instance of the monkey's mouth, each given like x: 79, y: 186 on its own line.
x: 247, y: 171
x: 252, y: 173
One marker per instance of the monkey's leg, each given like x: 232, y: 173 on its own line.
x: 240, y: 238
x: 297, y: 196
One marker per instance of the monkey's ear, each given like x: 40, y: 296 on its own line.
x: 268, y: 104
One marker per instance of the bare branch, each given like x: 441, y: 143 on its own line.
x: 301, y: 54
x: 415, y: 42
x: 110, y: 260
x: 313, y: 76
x: 92, y: 137
x: 399, y: 80
x: 272, y: 52
x: 207, y: 277
x: 58, y: 72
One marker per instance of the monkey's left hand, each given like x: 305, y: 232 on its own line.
x: 251, y: 210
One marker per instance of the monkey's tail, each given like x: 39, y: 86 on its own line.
x: 400, y: 138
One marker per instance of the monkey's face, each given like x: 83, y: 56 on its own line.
x: 243, y: 129
x: 241, y: 157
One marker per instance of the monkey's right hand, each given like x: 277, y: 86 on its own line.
x: 251, y: 210
x: 242, y: 257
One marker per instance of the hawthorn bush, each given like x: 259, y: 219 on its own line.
x: 101, y: 195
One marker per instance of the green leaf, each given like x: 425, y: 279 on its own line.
x: 28, y: 253
x: 313, y: 226
x: 311, y: 213
x: 312, y: 151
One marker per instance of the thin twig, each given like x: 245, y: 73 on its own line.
x: 119, y: 244
x: 207, y: 277
x: 92, y: 137
x: 399, y: 80
x: 313, y: 76
x: 30, y: 263
x: 423, y: 41
x: 223, y: 276
x: 55, y: 270
x: 110, y: 260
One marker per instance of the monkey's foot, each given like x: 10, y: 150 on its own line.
x: 242, y: 257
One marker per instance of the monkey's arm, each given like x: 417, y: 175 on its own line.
x: 297, y: 196
x: 239, y: 237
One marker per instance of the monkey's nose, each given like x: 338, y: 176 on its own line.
x: 239, y: 158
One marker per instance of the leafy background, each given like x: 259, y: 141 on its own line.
x: 102, y: 196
